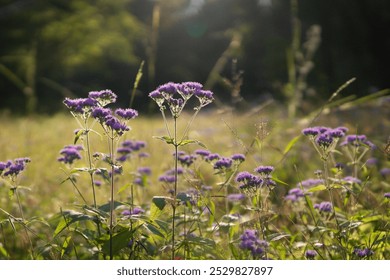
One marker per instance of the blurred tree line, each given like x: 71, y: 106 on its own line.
x: 244, y: 50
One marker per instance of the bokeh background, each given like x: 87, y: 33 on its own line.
x: 246, y: 51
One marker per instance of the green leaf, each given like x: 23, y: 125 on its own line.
x: 11, y: 193
x: 317, y: 188
x: 77, y: 136
x: 106, y: 207
x: 160, y: 201
x: 188, y: 141
x: 183, y: 197
x: 70, y: 217
x: 166, y: 139
x: 153, y: 229
x: 119, y: 241
x: 65, y: 245
x: 291, y: 144
x: 123, y: 188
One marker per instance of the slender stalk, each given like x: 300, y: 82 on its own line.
x: 175, y: 188
x: 25, y: 227
x: 111, y: 151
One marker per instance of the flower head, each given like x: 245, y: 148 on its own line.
x: 70, y: 153
x: 235, y: 197
x: 114, y: 124
x: 80, y: 105
x: 294, y: 194
x: 324, y: 206
x: 223, y: 163
x: 126, y: 114
x: 264, y: 170
x: 249, y: 241
x: 310, y: 254
x: 13, y: 167
x: 362, y: 253
x: 103, y: 97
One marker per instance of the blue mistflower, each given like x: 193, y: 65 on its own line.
x: 223, y: 163
x: 311, y: 131
x: 324, y: 206
x: 362, y: 253
x: 294, y: 194
x: 264, y: 170
x: 103, y: 97
x: 101, y: 114
x: 126, y: 114
x: 310, y: 254
x: 238, y: 157
x: 13, y: 167
x: 70, y: 153
x: 249, y: 241
x: 235, y: 197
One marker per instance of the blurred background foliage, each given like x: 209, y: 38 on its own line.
x: 246, y: 51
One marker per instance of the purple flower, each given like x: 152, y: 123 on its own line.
x: 352, y: 180
x: 264, y: 170
x: 103, y: 97
x: 249, y: 241
x: 13, y: 168
x: 324, y: 206
x: 362, y: 253
x: 310, y: 254
x: 238, y: 157
x: 336, y: 133
x: 357, y: 141
x: 114, y: 124
x: 235, y: 197
x: 248, y: 180
x: 206, y: 188
x: 134, y: 211
x: 311, y: 183
x: 186, y: 160
x: 144, y: 170
x: 223, y: 163
x: 80, y: 105
x: 294, y: 194
x: 101, y: 113
x: 212, y: 157
x: 70, y: 153
x: 169, y: 89
x: 187, y: 89
x: 167, y: 178
x: 311, y: 131
x: 205, y: 97
x: 385, y: 171
x: 126, y: 114
x: 202, y: 153
x: 134, y: 145
x: 324, y: 140
x: 387, y: 195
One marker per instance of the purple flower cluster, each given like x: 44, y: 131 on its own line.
x: 357, y: 141
x: 186, y: 160
x: 13, y: 167
x: 128, y: 147
x: 141, y: 176
x: 324, y: 206
x: 223, y: 163
x: 94, y: 106
x: 250, y: 241
x: 362, y: 253
x: 175, y: 95
x: 310, y: 254
x: 387, y: 195
x: 324, y: 136
x: 235, y: 197
x: 70, y: 153
x: 310, y: 183
x: 264, y: 170
x: 248, y: 180
x: 134, y: 211
x: 294, y: 194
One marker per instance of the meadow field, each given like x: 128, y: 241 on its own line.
x: 250, y: 184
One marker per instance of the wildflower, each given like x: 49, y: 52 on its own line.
x: 202, y: 153
x: 310, y: 183
x: 187, y: 89
x: 385, y: 171
x: 144, y: 170
x: 103, y: 97
x: 362, y: 253
x: 310, y: 254
x: 324, y: 140
x: 186, y: 160
x: 70, y: 153
x: 114, y: 124
x: 167, y: 178
x: 324, y: 206
x: 235, y: 197
x: 387, y: 195
x: 249, y: 241
x: 223, y: 163
x: 336, y: 133
x: 206, y: 188
x: 294, y: 194
x: 205, y: 97
x: 212, y: 157
x: 352, y: 180
x: 238, y: 158
x: 311, y: 131
x: 248, y: 180
x: 372, y: 161
x: 13, y: 168
x: 80, y: 105
x: 357, y: 141
x: 126, y: 114
x: 134, y: 211
x: 264, y: 170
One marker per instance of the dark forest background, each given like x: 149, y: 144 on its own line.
x: 243, y: 50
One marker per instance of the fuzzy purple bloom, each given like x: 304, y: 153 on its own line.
x: 324, y: 206
x: 238, y: 157
x: 212, y: 157
x: 223, y: 163
x: 126, y: 114
x: 80, y: 105
x: 264, y: 170
x: 311, y: 183
x: 294, y: 194
x: 144, y: 170
x: 310, y: 254
x: 362, y: 253
x: 357, y: 141
x: 113, y: 123
x: 352, y: 180
x: 385, y: 172
x: 235, y: 197
x: 249, y: 241
x: 324, y: 140
x: 167, y: 178
x: 13, y: 168
x: 134, y: 211
x: 70, y: 153
x: 387, y: 195
x: 104, y: 97
x: 311, y: 131
x: 202, y: 153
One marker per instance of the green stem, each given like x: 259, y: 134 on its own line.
x: 111, y: 149
x: 175, y: 188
